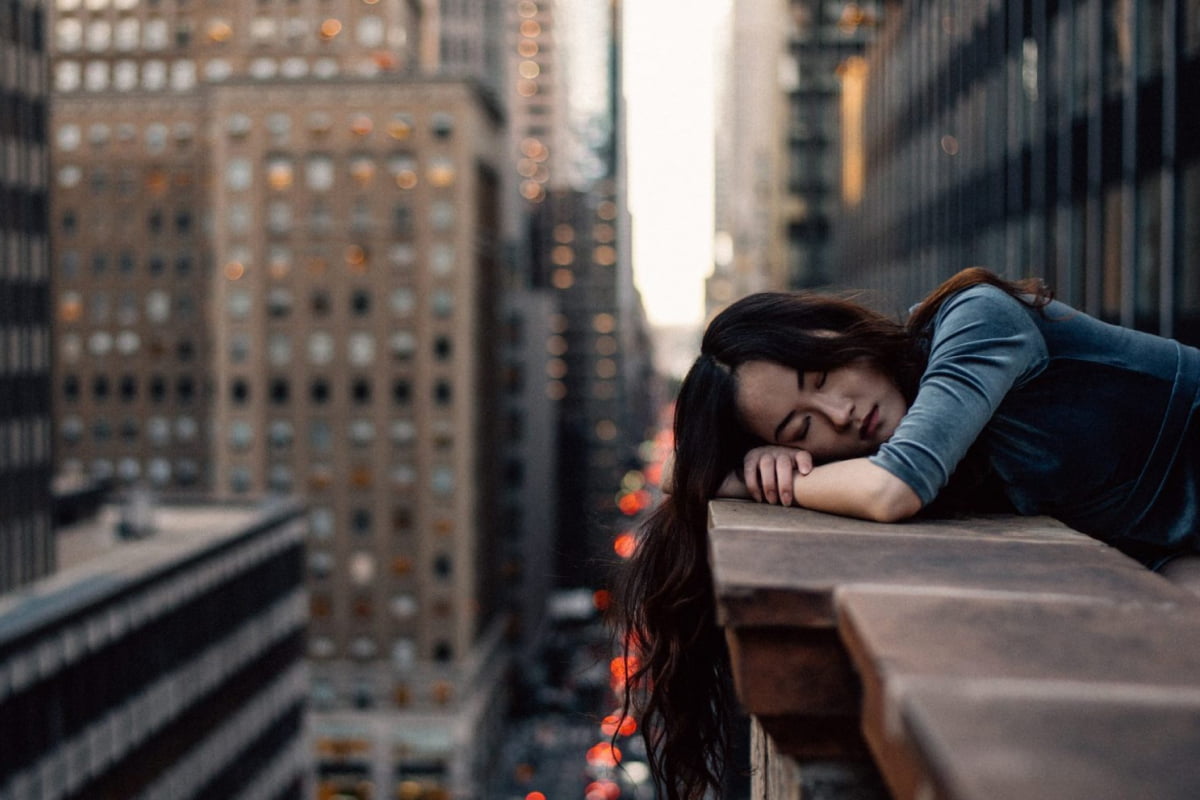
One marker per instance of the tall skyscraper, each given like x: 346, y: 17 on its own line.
x: 26, y: 529
x: 278, y: 229
x: 1049, y: 139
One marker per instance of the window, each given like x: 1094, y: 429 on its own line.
x: 320, y: 173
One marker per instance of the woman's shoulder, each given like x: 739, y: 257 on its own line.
x: 984, y: 306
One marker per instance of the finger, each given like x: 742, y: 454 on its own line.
x: 783, y: 478
x: 766, y: 474
x: 750, y: 478
x: 804, y: 462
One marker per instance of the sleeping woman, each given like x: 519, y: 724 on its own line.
x: 992, y: 396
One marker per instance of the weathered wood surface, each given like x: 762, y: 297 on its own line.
x: 973, y: 655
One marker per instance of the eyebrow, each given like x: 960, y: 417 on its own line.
x: 782, y: 425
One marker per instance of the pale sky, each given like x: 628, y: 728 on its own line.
x: 669, y: 93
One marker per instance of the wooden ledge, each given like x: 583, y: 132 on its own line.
x: 837, y: 625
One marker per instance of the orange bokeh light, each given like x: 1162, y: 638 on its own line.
x: 601, y: 599
x: 602, y: 790
x: 614, y: 724
x: 625, y: 545
x: 603, y: 755
x: 535, y: 796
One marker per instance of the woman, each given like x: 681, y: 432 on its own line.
x: 991, y: 391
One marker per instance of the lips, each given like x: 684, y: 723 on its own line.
x: 867, y: 429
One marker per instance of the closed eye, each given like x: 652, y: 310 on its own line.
x: 821, y: 379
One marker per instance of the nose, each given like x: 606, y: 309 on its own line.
x: 840, y: 412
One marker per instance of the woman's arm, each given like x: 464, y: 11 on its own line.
x: 853, y: 488
x: 856, y: 488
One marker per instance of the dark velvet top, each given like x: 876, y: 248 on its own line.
x: 1087, y: 422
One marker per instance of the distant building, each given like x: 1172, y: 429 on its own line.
x: 26, y: 530
x: 1059, y: 140
x: 169, y: 666
x: 278, y: 233
x: 779, y: 141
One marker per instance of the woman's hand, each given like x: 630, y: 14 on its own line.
x: 768, y: 472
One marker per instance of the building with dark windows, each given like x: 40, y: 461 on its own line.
x: 169, y: 665
x: 1056, y: 139
x: 26, y: 528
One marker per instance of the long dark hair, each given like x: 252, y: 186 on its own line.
x: 678, y: 684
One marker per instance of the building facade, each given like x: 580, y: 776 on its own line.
x: 278, y: 231
x: 170, y: 666
x: 26, y: 529
x: 1054, y: 139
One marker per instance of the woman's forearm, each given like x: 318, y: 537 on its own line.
x: 856, y: 488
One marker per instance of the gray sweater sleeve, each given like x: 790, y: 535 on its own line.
x: 984, y: 342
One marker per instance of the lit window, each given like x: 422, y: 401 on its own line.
x: 219, y: 30
x: 158, y: 431
x: 404, y: 654
x: 293, y: 68
x: 361, y: 347
x: 69, y: 33
x: 441, y: 171
x: 320, y: 347
x: 403, y: 432
x: 402, y: 301
x: 403, y: 606
x: 217, y: 70
x: 362, y: 170
x: 279, y: 349
x: 158, y: 305
x: 69, y: 137
x: 68, y: 5
x: 126, y: 34
x: 403, y: 168
x: 125, y: 76
x: 156, y: 35
x: 362, y: 431
x: 154, y: 75
x: 183, y: 76
x: 128, y: 343
x: 263, y: 68
x: 441, y: 259
x: 402, y: 345
x: 67, y: 76
x: 99, y: 36
x: 325, y: 68
x: 370, y: 31
x: 241, y: 435
x: 320, y: 173
x: 402, y: 256
x: 239, y: 175
x: 69, y: 176
x: 100, y: 343
x: 362, y: 568
x: 95, y: 77
x: 239, y: 303
x: 263, y: 29
x: 329, y: 29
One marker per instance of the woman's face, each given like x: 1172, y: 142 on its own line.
x: 846, y: 412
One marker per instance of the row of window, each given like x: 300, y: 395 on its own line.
x: 403, y: 655
x: 399, y: 126
x: 182, y: 75
x: 402, y: 302
x: 128, y: 34
x: 321, y: 525
x: 282, y: 478
x: 160, y: 472
x: 70, y: 264
x: 124, y: 307
x: 162, y: 431
x: 324, y: 697
x: 320, y: 173
x: 362, y: 568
